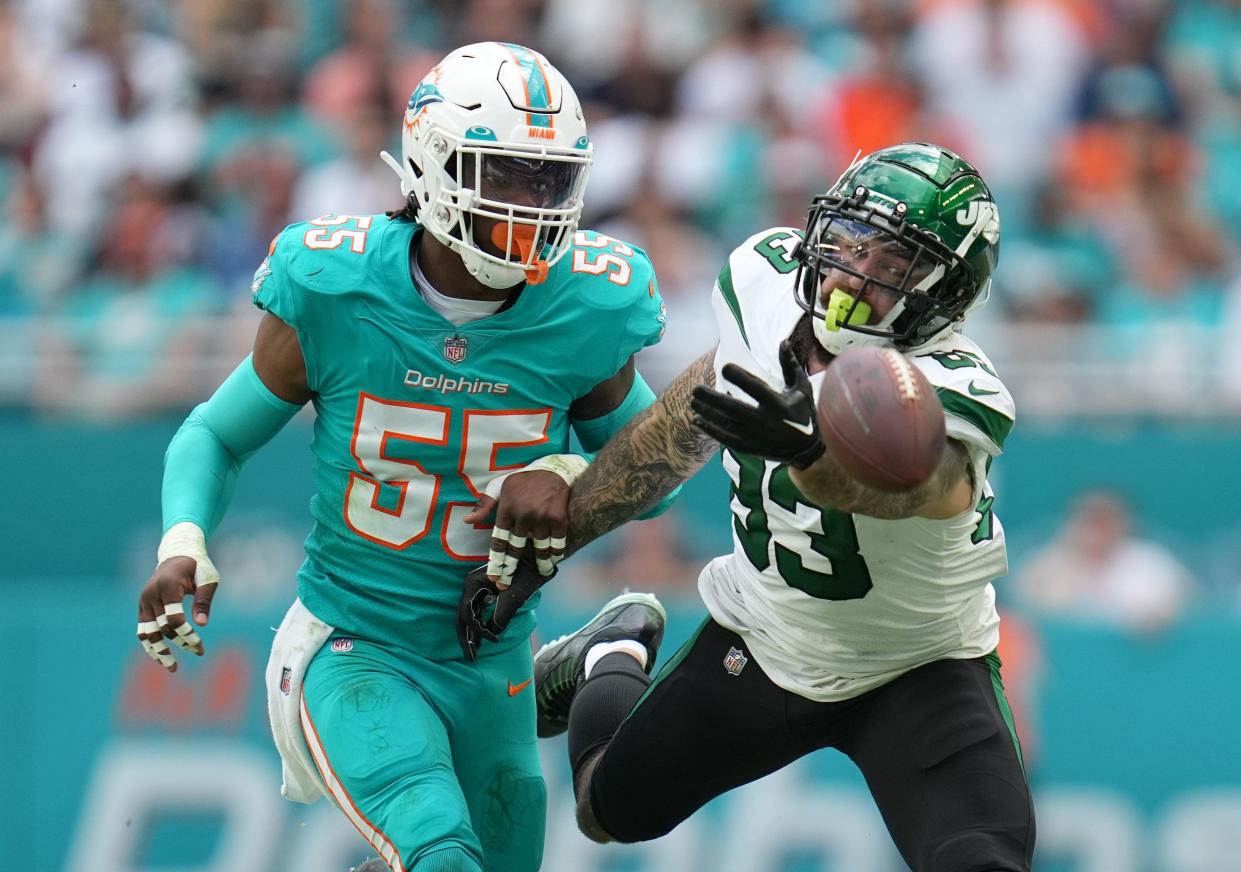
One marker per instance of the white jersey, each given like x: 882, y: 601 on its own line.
x: 829, y: 603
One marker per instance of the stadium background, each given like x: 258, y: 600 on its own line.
x: 149, y: 151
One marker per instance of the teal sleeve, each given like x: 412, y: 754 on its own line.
x: 274, y: 289
x: 205, y: 455
x: 645, y: 324
x: 594, y: 432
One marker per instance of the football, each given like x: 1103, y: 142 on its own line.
x: 881, y: 419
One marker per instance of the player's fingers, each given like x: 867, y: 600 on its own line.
x: 150, y: 629
x: 146, y: 611
x: 202, y: 602
x: 541, y: 541
x: 499, y: 550
x: 714, y: 419
x: 543, y: 562
x: 708, y: 399
x: 151, y: 637
x: 788, y: 363
x: 552, y: 553
x: 752, y: 385
x: 180, y: 631
x: 482, y: 512
x: 516, y: 545
x: 557, y: 549
x: 708, y: 402
x: 160, y: 653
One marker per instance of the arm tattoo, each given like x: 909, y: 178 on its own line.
x: 829, y: 485
x: 641, y: 464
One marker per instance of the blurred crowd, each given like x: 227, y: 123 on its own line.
x: 150, y: 150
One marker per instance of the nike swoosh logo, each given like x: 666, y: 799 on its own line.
x: 980, y: 392
x: 806, y: 428
x: 514, y: 689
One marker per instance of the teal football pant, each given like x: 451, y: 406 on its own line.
x: 434, y: 762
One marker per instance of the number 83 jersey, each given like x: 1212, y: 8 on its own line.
x: 414, y: 416
x: 833, y: 604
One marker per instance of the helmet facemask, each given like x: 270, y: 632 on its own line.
x: 534, y: 199
x: 854, y: 251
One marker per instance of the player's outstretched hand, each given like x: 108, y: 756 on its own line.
x: 783, y: 426
x: 485, y: 611
x: 161, y: 609
x: 532, y: 509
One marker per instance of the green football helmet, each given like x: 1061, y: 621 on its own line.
x: 898, y: 250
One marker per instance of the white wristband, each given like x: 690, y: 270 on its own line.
x: 567, y: 466
x: 186, y: 539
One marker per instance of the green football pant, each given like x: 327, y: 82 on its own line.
x: 430, y: 760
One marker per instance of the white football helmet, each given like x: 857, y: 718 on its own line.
x: 495, y: 132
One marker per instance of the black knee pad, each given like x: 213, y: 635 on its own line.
x: 602, y: 703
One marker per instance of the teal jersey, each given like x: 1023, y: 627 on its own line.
x: 415, y: 415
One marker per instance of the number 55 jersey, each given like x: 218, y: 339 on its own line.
x: 415, y: 415
x: 833, y: 604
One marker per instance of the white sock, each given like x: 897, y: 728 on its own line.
x: 631, y: 647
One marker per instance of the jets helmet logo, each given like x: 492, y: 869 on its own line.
x: 983, y: 217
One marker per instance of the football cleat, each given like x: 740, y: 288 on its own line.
x: 560, y: 665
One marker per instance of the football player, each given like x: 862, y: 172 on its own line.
x: 447, y: 349
x: 845, y: 617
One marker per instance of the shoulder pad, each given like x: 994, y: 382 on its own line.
x: 328, y: 254
x: 978, y: 406
x: 753, y: 298
x: 602, y: 272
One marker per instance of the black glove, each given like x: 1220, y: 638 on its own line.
x: 784, y: 426
x: 479, y: 594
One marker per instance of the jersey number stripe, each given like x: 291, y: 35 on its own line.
x: 392, y: 500
x: 329, y: 239
x: 826, y: 564
x: 593, y: 263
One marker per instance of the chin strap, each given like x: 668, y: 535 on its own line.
x: 403, y: 173
x: 493, y: 275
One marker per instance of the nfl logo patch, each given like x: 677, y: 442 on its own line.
x: 455, y: 348
x: 735, y: 661
x: 286, y: 680
x: 342, y: 646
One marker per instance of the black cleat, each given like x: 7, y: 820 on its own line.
x: 560, y: 666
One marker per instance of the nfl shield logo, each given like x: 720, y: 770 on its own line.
x: 455, y: 348
x: 286, y: 680
x: 341, y: 646
x: 735, y: 661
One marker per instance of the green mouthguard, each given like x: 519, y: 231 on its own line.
x: 838, y: 306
